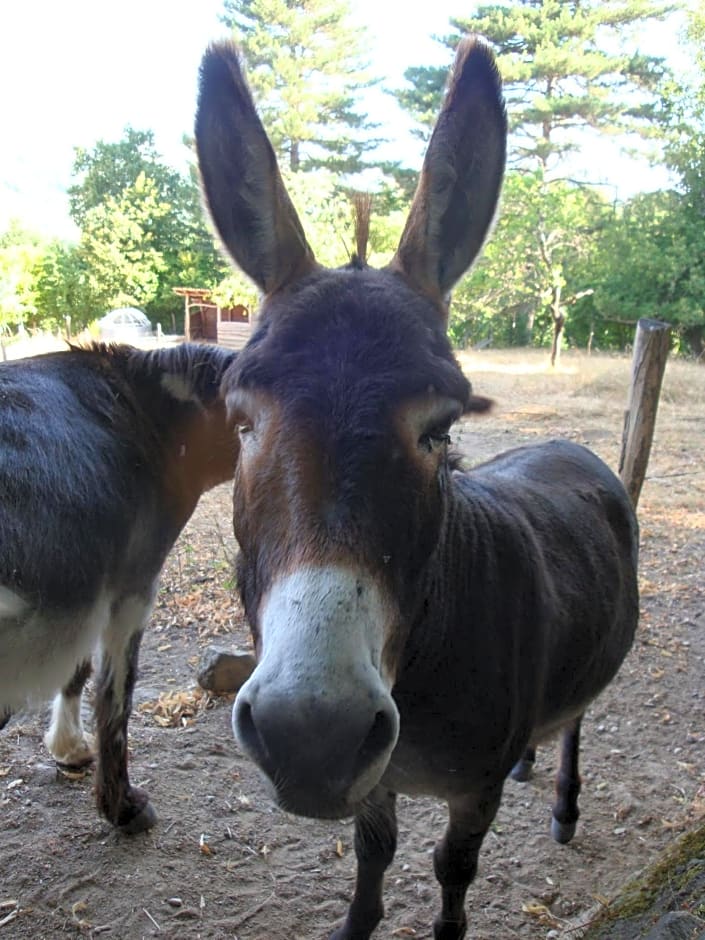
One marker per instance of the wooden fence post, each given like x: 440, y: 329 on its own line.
x: 651, y: 344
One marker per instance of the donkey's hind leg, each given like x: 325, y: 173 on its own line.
x: 66, y: 739
x: 125, y: 806
x: 565, y: 809
x: 523, y: 770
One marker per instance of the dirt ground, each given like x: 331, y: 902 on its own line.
x: 224, y: 862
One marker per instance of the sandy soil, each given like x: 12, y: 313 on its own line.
x: 224, y: 862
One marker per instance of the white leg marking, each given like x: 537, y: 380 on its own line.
x: 66, y: 739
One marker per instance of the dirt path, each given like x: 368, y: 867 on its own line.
x: 224, y: 862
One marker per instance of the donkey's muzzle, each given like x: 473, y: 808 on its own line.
x: 321, y: 757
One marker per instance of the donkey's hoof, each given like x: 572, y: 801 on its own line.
x: 75, y: 754
x: 141, y: 822
x: 562, y: 832
x: 449, y: 929
x: 523, y: 770
x: 137, y: 813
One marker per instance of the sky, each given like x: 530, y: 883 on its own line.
x: 78, y: 71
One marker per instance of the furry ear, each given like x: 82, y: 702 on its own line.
x: 478, y: 404
x: 458, y: 190
x: 243, y: 188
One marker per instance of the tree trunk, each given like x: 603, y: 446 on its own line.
x: 294, y: 157
x: 530, y: 318
x: 558, y: 324
x: 695, y: 337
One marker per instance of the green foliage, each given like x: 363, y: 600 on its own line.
x: 110, y: 168
x: 650, y: 264
x: 306, y: 63
x: 20, y: 260
x: 118, y: 247
x: 540, y: 250
x: 325, y: 212
x: 236, y: 289
x: 62, y: 288
x: 561, y: 263
x: 565, y: 65
x: 142, y: 228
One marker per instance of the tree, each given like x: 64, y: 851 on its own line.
x: 651, y: 260
x: 566, y: 68
x: 566, y: 65
x: 143, y: 229
x: 535, y: 266
x: 644, y: 266
x: 118, y: 247
x: 305, y: 64
x: 684, y: 107
x: 109, y: 168
x: 20, y: 258
x: 62, y: 288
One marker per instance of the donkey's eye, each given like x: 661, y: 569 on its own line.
x: 244, y: 427
x: 435, y: 439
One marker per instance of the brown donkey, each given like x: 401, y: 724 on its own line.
x: 104, y: 454
x: 417, y: 627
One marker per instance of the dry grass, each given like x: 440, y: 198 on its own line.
x: 585, y: 399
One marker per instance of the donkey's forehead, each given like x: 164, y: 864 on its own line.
x: 342, y: 328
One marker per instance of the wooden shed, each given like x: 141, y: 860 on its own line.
x: 206, y: 321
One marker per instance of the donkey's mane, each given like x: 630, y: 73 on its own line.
x: 201, y: 365
x: 362, y: 210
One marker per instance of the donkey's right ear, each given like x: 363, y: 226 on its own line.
x: 243, y: 188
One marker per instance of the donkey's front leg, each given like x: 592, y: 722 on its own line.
x: 455, y: 858
x: 125, y: 806
x: 375, y: 845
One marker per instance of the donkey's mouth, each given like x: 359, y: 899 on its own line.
x: 315, y: 805
x: 318, y: 795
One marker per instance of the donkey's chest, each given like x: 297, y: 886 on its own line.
x: 446, y: 756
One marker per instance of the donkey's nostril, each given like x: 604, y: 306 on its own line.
x: 377, y: 741
x: 246, y: 732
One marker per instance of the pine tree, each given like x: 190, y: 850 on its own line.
x: 566, y: 65
x: 305, y: 65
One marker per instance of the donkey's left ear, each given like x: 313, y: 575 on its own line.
x: 245, y: 193
x: 458, y: 190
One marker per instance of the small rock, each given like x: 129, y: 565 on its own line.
x: 43, y: 774
x: 222, y: 671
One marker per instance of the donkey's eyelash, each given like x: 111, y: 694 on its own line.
x: 435, y: 438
